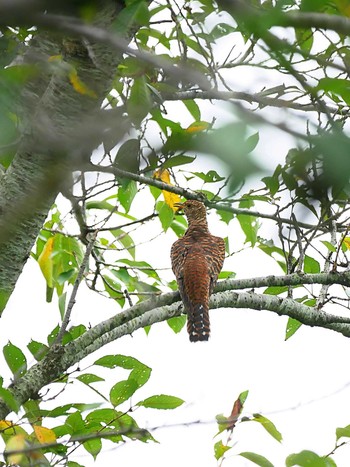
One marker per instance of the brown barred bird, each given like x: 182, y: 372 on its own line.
x: 196, y: 260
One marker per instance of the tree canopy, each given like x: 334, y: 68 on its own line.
x: 113, y: 111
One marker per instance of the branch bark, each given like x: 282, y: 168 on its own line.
x: 52, y: 110
x: 159, y: 308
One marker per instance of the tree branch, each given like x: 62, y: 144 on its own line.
x: 258, y: 98
x: 159, y: 308
x: 193, y: 195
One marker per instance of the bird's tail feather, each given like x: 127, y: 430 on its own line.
x: 198, y: 325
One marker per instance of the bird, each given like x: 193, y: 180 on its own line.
x: 197, y: 259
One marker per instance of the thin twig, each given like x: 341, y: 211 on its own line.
x: 77, y: 282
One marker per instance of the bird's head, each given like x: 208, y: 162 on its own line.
x: 194, y: 210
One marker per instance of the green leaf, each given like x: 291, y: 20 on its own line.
x: 177, y: 160
x: 15, y: 359
x: 220, y: 449
x: 221, y: 30
x: 243, y: 396
x: 161, y: 401
x: 257, y: 459
x: 338, y: 86
x: 311, y: 266
x: 140, y: 372
x: 292, y: 326
x: 125, y: 240
x: 166, y: 215
x: 32, y: 411
x: 249, y: 224
x: 179, y: 225
x: 122, y: 391
x: 305, y: 39
x: 140, y: 101
x: 65, y: 409
x: 209, y: 177
x: 329, y: 246
x: 225, y: 216
x: 93, y: 446
x: 276, y: 289
x: 89, y: 378
x: 269, y: 426
x: 176, y: 323
x: 134, y: 13
x: 128, y: 156
x: 193, y: 108
x: 9, y: 399
x: 343, y: 432
x: 126, y: 193
x: 75, y: 423
x: 309, y: 459
x: 272, y: 184
x: 37, y: 349
x: 252, y: 142
x: 113, y: 361
x: 73, y: 333
x: 100, y: 205
x: 4, y: 296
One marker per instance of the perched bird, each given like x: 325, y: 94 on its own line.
x: 196, y: 260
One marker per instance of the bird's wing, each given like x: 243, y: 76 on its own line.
x: 214, y: 250
x: 178, y: 254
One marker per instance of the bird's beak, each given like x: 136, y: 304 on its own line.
x: 179, y: 206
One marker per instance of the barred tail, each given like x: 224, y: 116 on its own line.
x: 198, y: 325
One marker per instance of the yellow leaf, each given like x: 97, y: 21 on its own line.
x: 8, y: 429
x: 169, y: 198
x: 343, y: 7
x: 78, y: 85
x: 54, y: 58
x: 5, y: 424
x: 346, y: 242
x: 17, y: 443
x: 196, y: 127
x: 44, y: 435
x: 46, y: 263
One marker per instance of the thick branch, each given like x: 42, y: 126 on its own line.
x: 160, y: 308
x: 52, y: 110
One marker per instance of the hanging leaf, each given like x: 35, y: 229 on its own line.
x: 37, y: 349
x: 311, y: 265
x: 140, y: 102
x: 292, y: 326
x: 15, y: 359
x: 166, y: 214
x: 257, y: 459
x: 220, y: 449
x: 128, y: 156
x: 343, y: 432
x: 197, y: 127
x: 269, y: 426
x: 176, y: 323
x: 162, y: 401
x: 78, y: 84
x: 122, y: 391
x: 346, y: 242
x: 126, y: 193
x: 45, y: 261
x: 309, y: 458
x: 44, y: 435
x: 192, y: 106
x: 169, y: 198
